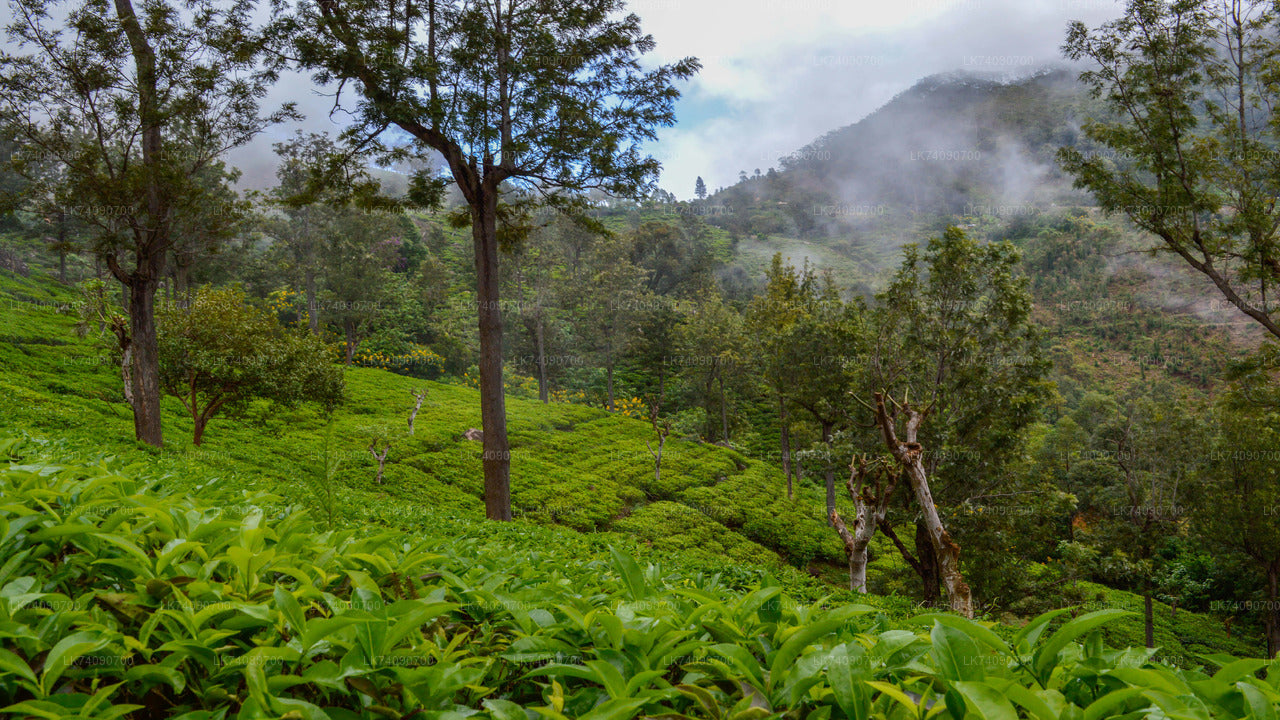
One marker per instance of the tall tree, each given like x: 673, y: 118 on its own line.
x: 610, y: 305
x: 711, y: 347
x: 1193, y: 121
x: 300, y: 219
x: 1240, y: 499
x: 534, y: 93
x: 827, y: 342
x: 955, y: 341
x: 772, y: 317
x: 134, y: 107
x: 700, y: 189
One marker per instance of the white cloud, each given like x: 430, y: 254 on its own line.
x: 778, y: 73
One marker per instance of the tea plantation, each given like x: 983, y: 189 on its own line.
x: 265, y: 575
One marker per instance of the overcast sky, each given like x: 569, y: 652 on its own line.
x: 779, y: 73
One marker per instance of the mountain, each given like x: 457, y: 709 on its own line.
x: 957, y: 144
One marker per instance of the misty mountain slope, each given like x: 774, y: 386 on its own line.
x: 949, y: 143
x: 955, y: 144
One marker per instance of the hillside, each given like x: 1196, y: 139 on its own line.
x: 166, y: 606
x: 574, y: 467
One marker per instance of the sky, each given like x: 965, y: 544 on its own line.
x: 778, y: 74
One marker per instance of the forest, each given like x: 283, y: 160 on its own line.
x: 967, y: 409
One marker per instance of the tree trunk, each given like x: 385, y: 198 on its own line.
x: 313, y: 307
x: 871, y: 491
x: 493, y: 410
x: 381, y: 457
x: 827, y: 428
x: 724, y: 413
x: 539, y: 335
x: 948, y: 552
x: 909, y: 456
x: 1272, y: 616
x: 1148, y: 615
x: 349, y: 329
x: 855, y: 546
x: 126, y: 373
x: 146, y: 364
x: 786, y: 445
x: 181, y: 280
x: 930, y: 581
x: 417, y: 405
x: 609, y: 378
x: 198, y: 436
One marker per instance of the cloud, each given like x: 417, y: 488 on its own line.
x: 778, y: 74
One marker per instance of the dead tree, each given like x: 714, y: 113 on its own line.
x: 662, y: 430
x: 909, y: 454
x: 418, y: 396
x: 381, y: 457
x: 871, y: 485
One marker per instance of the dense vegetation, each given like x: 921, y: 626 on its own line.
x: 120, y: 598
x: 249, y: 441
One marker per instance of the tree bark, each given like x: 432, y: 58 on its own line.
x: 313, y: 307
x: 870, y: 508
x: 352, y: 341
x: 493, y: 410
x: 145, y: 351
x: 151, y: 238
x: 1272, y: 615
x: 381, y: 457
x: 1148, y: 615
x: 198, y: 436
x: 724, y: 412
x: 609, y: 378
x: 827, y: 427
x: 418, y: 397
x: 539, y: 335
x: 930, y: 581
x: 909, y: 454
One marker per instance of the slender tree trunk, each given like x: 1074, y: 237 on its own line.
x: 827, y: 428
x: 350, y: 331
x: 493, y: 410
x: 609, y: 378
x: 313, y: 307
x: 786, y: 445
x: 126, y: 372
x: 198, y: 436
x: 1148, y: 615
x: 1272, y: 616
x: 182, y: 280
x: 417, y: 405
x: 855, y: 546
x: 539, y: 336
x: 381, y: 457
x: 146, y: 364
x: 62, y: 266
x: 724, y: 412
x: 871, y: 489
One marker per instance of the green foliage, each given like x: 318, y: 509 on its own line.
x: 218, y: 352
x: 119, y: 598
x: 1188, y: 150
